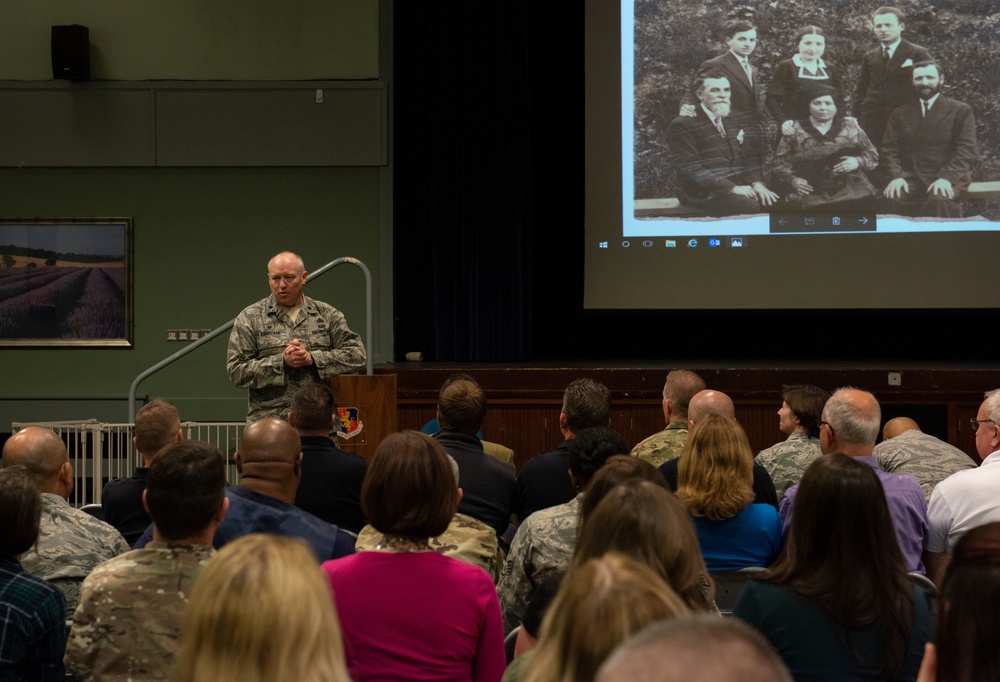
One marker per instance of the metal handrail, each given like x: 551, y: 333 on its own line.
x: 229, y: 325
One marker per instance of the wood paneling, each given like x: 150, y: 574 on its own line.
x: 524, y: 402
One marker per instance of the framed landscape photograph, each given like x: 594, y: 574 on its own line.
x: 66, y: 282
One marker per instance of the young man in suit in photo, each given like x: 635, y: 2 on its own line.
x: 734, y: 64
x: 884, y: 83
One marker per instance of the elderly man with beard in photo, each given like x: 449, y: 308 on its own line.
x: 718, y: 157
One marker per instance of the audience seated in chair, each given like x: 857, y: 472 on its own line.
x: 131, y: 607
x: 838, y: 604
x: 157, y: 425
x: 261, y: 611
x: 32, y: 610
x: 405, y: 609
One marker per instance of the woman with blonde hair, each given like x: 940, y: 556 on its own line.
x: 600, y: 603
x: 261, y: 611
x: 715, y: 483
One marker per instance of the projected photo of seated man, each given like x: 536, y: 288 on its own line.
x: 929, y: 150
x: 718, y: 157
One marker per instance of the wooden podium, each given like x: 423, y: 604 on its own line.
x: 374, y: 397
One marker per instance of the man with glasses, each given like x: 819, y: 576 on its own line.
x: 849, y: 425
x: 969, y: 498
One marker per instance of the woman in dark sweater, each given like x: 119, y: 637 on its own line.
x: 838, y: 605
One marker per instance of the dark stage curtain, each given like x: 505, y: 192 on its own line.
x: 472, y: 87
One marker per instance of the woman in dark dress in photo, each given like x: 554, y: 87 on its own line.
x: 824, y: 159
x: 785, y: 97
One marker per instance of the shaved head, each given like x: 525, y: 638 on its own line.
x: 269, y: 458
x: 899, y: 425
x: 709, y: 402
x: 269, y: 440
x: 38, y: 450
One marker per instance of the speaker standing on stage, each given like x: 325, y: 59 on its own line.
x: 288, y: 339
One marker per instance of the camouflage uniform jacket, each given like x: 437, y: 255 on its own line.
x: 70, y: 544
x: 466, y: 539
x: 663, y: 446
x: 257, y: 342
x: 789, y: 459
x: 128, y: 624
x: 542, y: 545
x: 921, y: 455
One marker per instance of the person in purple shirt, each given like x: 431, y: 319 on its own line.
x: 850, y: 425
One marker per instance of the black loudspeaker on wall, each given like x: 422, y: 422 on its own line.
x: 71, y: 52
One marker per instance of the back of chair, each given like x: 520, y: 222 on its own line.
x: 729, y: 585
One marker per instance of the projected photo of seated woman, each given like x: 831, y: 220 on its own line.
x: 824, y: 160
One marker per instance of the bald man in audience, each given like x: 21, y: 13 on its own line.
x: 907, y: 450
x: 849, y: 425
x: 681, y: 385
x: 709, y: 402
x: 269, y: 460
x: 702, y: 647
x: 70, y: 542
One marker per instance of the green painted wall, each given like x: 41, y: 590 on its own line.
x: 202, y: 237
x: 197, y: 39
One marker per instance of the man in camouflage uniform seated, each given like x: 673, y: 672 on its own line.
x: 466, y: 539
x: 70, y: 542
x: 544, y: 543
x: 680, y: 387
x: 798, y: 418
x: 907, y: 450
x: 131, y: 609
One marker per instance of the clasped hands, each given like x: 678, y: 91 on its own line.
x: 295, y: 355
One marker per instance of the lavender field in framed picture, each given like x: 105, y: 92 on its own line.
x: 66, y: 282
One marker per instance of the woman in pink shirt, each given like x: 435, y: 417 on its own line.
x: 407, y: 612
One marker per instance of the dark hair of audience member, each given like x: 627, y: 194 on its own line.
x: 969, y: 600
x: 462, y: 405
x: 590, y: 449
x: 715, y: 469
x: 20, y: 509
x: 586, y: 403
x: 599, y: 604
x: 842, y: 552
x: 184, y: 488
x: 313, y: 407
x: 156, y: 425
x: 647, y: 522
x: 806, y: 402
x: 261, y: 610
x: 409, y: 490
x: 617, y: 469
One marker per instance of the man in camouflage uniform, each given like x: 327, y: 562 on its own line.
x: 466, y: 539
x: 70, y: 542
x: 907, y: 450
x: 288, y: 339
x: 798, y: 418
x: 680, y: 387
x: 128, y: 624
x: 544, y: 543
